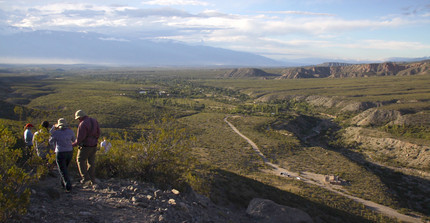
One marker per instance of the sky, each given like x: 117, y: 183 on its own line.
x: 280, y: 29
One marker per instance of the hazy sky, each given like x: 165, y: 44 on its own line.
x: 280, y: 29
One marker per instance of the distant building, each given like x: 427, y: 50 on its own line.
x: 333, y: 179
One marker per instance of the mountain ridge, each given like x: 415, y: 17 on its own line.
x: 93, y: 48
x: 358, y: 70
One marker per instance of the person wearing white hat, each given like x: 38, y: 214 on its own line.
x: 87, y: 137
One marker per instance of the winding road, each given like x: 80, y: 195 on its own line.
x: 316, y: 179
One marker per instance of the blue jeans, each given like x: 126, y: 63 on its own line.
x: 63, y: 160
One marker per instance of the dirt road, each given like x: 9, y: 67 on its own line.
x: 317, y: 179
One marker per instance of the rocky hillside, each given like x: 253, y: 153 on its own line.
x: 381, y: 147
x: 359, y: 70
x: 246, y: 72
x: 367, y: 118
x: 118, y: 200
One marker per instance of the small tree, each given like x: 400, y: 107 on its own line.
x: 18, y: 111
x: 14, y: 194
x: 15, y: 179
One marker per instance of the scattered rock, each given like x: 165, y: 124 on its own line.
x: 157, y: 193
x: 172, y: 202
x: 118, y: 202
x: 174, y: 191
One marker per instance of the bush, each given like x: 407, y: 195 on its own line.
x: 16, y: 175
x: 14, y: 181
x: 162, y: 155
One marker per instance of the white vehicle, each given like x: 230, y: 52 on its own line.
x: 285, y: 174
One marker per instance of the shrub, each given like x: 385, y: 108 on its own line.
x: 14, y: 180
x: 162, y: 155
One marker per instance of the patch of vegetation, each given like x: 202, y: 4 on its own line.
x: 16, y: 174
x: 420, y: 132
x: 162, y: 155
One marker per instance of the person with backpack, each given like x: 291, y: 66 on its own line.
x: 87, y: 137
x: 41, y: 141
x: 42, y: 146
x: 62, y: 138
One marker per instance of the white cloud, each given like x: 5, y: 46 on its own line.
x: 115, y: 39
x: 391, y: 45
x: 175, y: 2
x: 277, y: 32
x: 298, y: 13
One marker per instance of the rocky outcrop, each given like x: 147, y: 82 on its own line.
x: 358, y: 70
x: 339, y: 103
x: 246, y: 72
x: 306, y: 72
x: 358, y: 106
x: 375, y: 117
x: 267, y: 211
x: 381, y: 147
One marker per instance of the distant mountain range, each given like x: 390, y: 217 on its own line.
x: 331, y: 70
x: 93, y: 48
x: 334, y: 70
x: 56, y: 47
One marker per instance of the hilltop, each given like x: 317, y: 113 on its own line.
x: 246, y: 72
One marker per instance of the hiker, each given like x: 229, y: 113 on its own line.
x: 28, y: 138
x: 87, y: 137
x: 62, y: 138
x: 105, y: 145
x: 41, y: 141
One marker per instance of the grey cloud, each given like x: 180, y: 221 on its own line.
x: 170, y: 12
x: 298, y: 13
x: 416, y: 10
x: 164, y: 12
x: 214, y: 14
x: 83, y: 13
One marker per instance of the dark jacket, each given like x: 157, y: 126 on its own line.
x: 88, y: 133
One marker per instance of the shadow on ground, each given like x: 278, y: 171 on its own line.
x: 235, y: 191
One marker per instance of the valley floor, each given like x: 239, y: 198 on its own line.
x: 318, y: 179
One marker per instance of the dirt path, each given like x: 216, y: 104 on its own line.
x: 121, y: 200
x: 317, y: 179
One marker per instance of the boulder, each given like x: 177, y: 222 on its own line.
x: 267, y: 211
